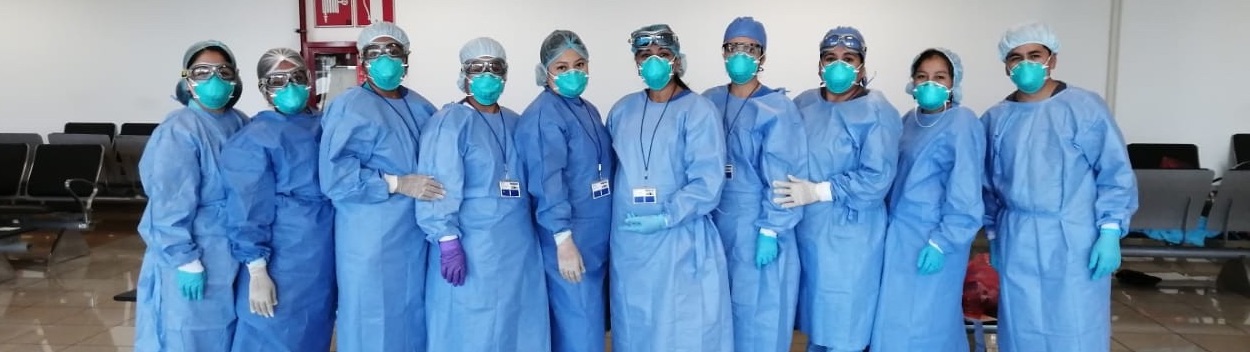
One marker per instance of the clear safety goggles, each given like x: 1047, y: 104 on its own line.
x: 373, y: 51
x: 851, y: 42
x: 485, y: 64
x: 277, y: 80
x: 201, y: 72
x: 752, y: 49
x: 663, y: 39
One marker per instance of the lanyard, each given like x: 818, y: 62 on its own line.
x: 411, y: 116
x: 503, y: 147
x: 725, y: 114
x: 593, y: 135
x: 646, y: 154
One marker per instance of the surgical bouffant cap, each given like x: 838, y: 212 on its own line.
x: 1028, y: 33
x: 831, y: 40
x: 957, y: 92
x: 381, y: 30
x: 747, y: 27
x: 479, y: 47
x: 189, y: 56
x: 554, y: 46
x: 270, y: 60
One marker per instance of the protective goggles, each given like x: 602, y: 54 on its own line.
x: 851, y: 42
x: 663, y: 39
x: 485, y: 64
x: 202, y: 72
x: 373, y: 51
x: 749, y: 48
x: 282, y: 79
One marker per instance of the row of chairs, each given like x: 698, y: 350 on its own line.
x: 53, y: 189
x: 110, y: 129
x: 119, y: 179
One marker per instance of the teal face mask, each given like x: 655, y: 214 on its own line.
x: 656, y: 72
x: 1029, y: 76
x: 291, y: 99
x: 741, y: 67
x: 571, y: 83
x: 931, y: 95
x: 386, y: 72
x: 213, y: 93
x: 839, y: 76
x: 486, y: 88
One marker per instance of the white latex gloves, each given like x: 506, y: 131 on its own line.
x: 262, y: 296
x: 569, y: 258
x: 421, y: 187
x: 799, y: 192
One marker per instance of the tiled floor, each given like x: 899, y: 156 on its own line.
x: 69, y: 306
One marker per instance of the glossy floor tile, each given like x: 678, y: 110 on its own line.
x: 69, y: 306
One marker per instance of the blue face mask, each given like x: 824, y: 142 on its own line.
x: 213, y: 93
x: 656, y: 72
x: 931, y: 95
x: 291, y: 99
x: 1029, y: 76
x: 386, y: 72
x: 571, y: 83
x: 839, y: 76
x: 741, y: 67
x: 486, y: 88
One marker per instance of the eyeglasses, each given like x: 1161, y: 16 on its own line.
x: 750, y: 48
x: 849, y: 41
x: 200, y: 72
x: 373, y: 51
x: 485, y: 64
x: 281, y: 79
x: 661, y: 39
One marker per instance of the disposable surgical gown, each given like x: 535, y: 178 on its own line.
x: 669, y: 289
x: 765, y: 143
x: 853, y: 145
x: 1057, y: 170
x: 502, y: 305
x: 936, y: 198
x: 185, y: 220
x: 379, y: 251
x: 567, y: 149
x: 277, y: 212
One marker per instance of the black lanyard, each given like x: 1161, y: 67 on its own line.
x: 412, y: 116
x: 725, y: 114
x: 646, y: 154
x: 503, y: 145
x: 593, y: 135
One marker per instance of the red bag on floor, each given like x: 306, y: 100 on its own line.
x: 980, y: 289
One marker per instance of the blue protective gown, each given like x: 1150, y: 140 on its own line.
x: 502, y: 305
x: 1057, y: 170
x: 853, y: 145
x: 276, y: 211
x: 185, y: 220
x: 379, y: 251
x: 765, y: 143
x: 936, y: 197
x: 567, y: 148
x: 669, y: 289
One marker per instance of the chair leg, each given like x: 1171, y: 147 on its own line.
x: 6, y: 270
x: 69, y: 244
x: 1235, y: 276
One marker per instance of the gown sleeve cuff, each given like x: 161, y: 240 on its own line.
x: 193, y: 267
x: 768, y: 233
x: 392, y: 182
x: 448, y: 238
x: 824, y: 191
x: 562, y: 236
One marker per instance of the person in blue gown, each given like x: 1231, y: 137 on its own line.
x: 669, y: 277
x: 852, y: 137
x: 765, y: 143
x: 186, y: 285
x: 569, y: 162
x: 1059, y: 194
x: 282, y: 227
x: 367, y: 167
x: 492, y: 295
x: 935, y: 211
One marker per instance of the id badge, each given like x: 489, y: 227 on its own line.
x: 509, y: 189
x: 645, y: 195
x: 600, y: 188
x: 729, y: 171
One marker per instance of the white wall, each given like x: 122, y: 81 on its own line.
x: 118, y: 60
x: 85, y: 60
x: 1182, y: 74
